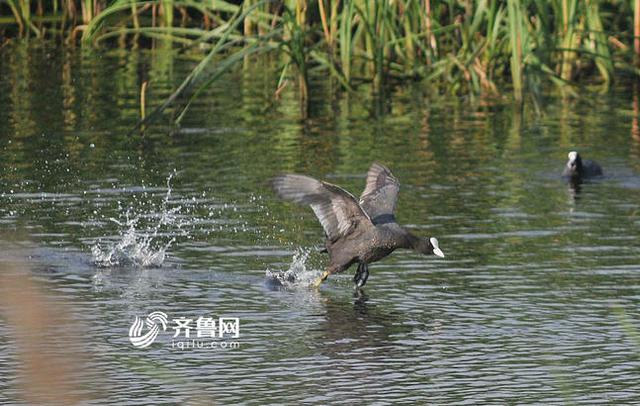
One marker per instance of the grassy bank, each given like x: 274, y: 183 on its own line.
x: 485, y: 48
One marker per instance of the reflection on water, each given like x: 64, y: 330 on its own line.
x: 537, y: 299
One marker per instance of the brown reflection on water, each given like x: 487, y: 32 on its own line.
x: 634, y: 151
x: 50, y: 349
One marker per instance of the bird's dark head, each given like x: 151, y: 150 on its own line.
x: 430, y: 246
x: 574, y: 165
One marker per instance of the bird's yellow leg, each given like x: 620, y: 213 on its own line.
x: 321, y: 279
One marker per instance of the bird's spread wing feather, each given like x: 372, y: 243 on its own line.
x: 380, y: 194
x: 338, y: 210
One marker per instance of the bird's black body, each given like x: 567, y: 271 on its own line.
x: 363, y: 231
x: 578, y: 169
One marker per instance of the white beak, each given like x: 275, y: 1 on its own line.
x: 436, y: 248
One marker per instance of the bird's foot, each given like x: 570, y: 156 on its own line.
x: 361, y: 276
x: 321, y: 279
x: 358, y: 275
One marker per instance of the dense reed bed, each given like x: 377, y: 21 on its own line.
x: 477, y: 48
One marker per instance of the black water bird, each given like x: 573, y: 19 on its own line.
x: 578, y: 169
x: 361, y: 231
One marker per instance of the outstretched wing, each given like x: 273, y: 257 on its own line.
x: 380, y: 194
x: 338, y: 210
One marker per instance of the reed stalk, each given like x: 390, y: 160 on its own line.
x: 167, y: 12
x: 17, y: 15
x: 597, y: 41
x: 87, y: 11
x: 249, y: 26
x: 25, y: 12
x: 430, y: 38
x: 346, y: 39
x: 568, y: 33
x: 323, y: 19
x: 515, y: 30
x: 333, y: 23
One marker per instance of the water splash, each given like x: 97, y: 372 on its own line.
x: 297, y: 274
x: 142, y: 240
